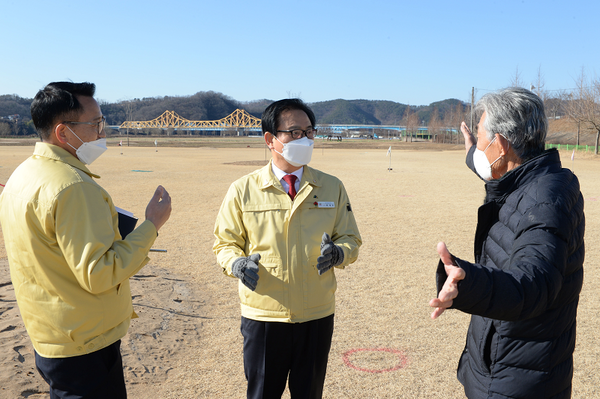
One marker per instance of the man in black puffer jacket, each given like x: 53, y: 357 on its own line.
x: 523, y: 289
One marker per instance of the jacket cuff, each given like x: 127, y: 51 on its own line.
x: 441, y: 276
x: 463, y: 285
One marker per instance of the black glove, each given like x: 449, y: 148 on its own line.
x: 246, y: 269
x: 331, y: 255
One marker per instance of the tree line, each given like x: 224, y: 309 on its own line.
x: 212, y: 105
x: 442, y: 119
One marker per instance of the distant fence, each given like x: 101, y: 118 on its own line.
x: 568, y: 147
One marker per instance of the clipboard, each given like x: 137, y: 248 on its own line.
x: 127, y: 222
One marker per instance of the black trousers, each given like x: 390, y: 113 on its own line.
x: 274, y: 350
x: 92, y: 376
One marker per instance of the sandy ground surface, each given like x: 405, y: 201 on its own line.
x: 187, y: 344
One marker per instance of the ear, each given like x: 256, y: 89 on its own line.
x: 269, y: 140
x: 503, y: 143
x: 59, y: 133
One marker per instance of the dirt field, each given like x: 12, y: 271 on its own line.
x: 187, y: 344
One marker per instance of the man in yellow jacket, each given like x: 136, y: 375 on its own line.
x: 281, y: 230
x: 69, y: 265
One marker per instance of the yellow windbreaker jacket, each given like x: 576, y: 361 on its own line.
x: 68, y: 265
x: 257, y: 216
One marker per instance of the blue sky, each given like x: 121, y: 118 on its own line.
x: 414, y: 52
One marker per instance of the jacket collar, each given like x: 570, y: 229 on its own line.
x: 268, y: 178
x: 547, y: 162
x: 52, y: 151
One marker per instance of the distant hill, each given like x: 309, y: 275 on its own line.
x: 344, y: 112
x: 206, y: 105
x: 14, y: 105
x: 211, y: 105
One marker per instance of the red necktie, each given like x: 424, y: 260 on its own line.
x: 291, y: 181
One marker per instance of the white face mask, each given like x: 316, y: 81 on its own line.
x: 297, y: 152
x: 482, y: 165
x: 89, y: 152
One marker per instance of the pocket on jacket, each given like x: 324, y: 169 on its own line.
x: 313, y: 216
x: 479, y: 344
x: 489, y: 347
x: 269, y: 293
x: 263, y: 222
x: 319, y: 289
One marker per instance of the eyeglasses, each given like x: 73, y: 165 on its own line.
x: 297, y: 133
x: 101, y: 124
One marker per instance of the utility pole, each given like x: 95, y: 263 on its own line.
x: 472, y: 103
x: 129, y: 116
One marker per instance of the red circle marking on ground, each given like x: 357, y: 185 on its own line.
x: 402, y: 359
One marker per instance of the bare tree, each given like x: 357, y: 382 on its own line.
x: 448, y: 121
x: 462, y: 113
x: 574, y: 106
x: 515, y: 81
x: 435, y: 124
x: 410, y: 120
x: 538, y: 86
x: 555, y: 104
x: 452, y: 121
x: 584, y: 106
x: 592, y: 109
x: 291, y: 94
x: 5, y: 129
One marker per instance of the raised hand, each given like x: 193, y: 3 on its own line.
x: 158, y: 210
x: 469, y: 138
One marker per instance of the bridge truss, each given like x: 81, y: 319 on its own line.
x: 169, y: 119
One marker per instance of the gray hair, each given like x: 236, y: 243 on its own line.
x: 518, y: 115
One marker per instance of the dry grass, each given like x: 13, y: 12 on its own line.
x: 429, y: 196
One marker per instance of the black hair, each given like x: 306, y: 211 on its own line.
x: 58, y: 101
x: 270, y: 117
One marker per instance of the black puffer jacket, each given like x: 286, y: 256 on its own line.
x: 524, y: 288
